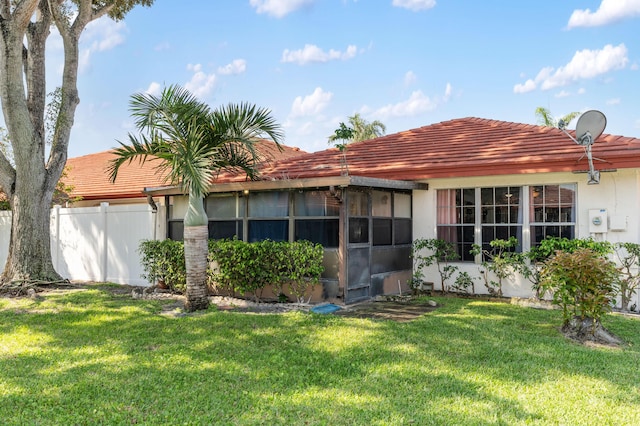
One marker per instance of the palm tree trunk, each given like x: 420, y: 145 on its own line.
x: 195, y: 255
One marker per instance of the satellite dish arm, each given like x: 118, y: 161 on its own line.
x: 562, y: 127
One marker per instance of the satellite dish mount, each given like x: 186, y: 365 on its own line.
x: 590, y: 126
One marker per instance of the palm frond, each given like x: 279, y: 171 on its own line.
x: 243, y: 122
x: 193, y: 142
x: 142, y: 148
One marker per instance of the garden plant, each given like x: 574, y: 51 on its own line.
x: 583, y: 285
x: 433, y: 251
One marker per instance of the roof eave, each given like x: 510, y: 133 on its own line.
x: 266, y: 185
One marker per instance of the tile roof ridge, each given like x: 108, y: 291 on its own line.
x: 93, y: 154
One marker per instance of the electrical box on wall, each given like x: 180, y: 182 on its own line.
x: 618, y: 223
x: 597, y: 220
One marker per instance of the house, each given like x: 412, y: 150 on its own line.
x: 90, y: 184
x: 96, y: 235
x: 467, y: 180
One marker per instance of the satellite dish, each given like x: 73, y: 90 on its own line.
x: 590, y: 126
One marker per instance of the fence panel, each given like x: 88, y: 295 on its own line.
x: 5, y: 233
x: 94, y: 243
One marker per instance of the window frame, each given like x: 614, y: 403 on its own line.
x: 523, y: 227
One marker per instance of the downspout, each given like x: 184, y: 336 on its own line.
x: 154, y: 207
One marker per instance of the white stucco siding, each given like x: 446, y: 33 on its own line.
x: 618, y: 192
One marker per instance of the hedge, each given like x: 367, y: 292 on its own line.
x: 237, y: 267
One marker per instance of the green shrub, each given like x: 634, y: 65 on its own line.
x: 433, y: 251
x: 249, y: 267
x: 502, y: 261
x: 164, y: 261
x: 304, y: 267
x: 628, y: 255
x: 243, y: 267
x: 463, y: 283
x: 549, y: 246
x: 582, y: 283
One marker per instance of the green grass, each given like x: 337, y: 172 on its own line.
x: 90, y: 357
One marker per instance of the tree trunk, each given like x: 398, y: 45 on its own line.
x: 29, y: 256
x: 588, y: 329
x: 196, y: 251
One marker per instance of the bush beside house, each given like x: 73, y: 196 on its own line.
x: 578, y: 275
x: 289, y: 269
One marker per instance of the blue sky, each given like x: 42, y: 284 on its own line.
x: 407, y: 63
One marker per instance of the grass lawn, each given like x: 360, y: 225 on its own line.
x: 91, y: 357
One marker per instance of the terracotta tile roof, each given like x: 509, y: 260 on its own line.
x: 456, y: 148
x: 90, y: 180
x: 459, y: 148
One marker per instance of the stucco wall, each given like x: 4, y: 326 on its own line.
x: 618, y: 193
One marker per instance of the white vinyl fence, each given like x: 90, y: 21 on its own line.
x: 95, y: 243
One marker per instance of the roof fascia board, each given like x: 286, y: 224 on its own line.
x: 264, y: 185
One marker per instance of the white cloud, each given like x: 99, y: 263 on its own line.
x: 100, y: 35
x: 311, y: 104
x: 562, y: 94
x: 162, y: 46
x: 614, y: 101
x: 279, y: 8
x: 525, y: 87
x: 410, y: 78
x: 608, y: 12
x: 585, y: 64
x: 447, y: 92
x: 201, y: 84
x: 237, y: 66
x: 312, y: 53
x: 417, y: 103
x: 415, y: 5
x: 582, y: 91
x: 154, y: 89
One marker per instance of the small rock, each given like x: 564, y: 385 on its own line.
x: 432, y: 303
x: 31, y: 294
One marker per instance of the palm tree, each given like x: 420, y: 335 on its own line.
x: 192, y: 144
x: 546, y: 119
x: 364, y: 130
x: 359, y: 130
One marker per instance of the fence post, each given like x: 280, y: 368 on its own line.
x: 56, y: 236
x: 104, y: 242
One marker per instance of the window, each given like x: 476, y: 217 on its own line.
x: 456, y: 217
x: 358, y: 230
x: 276, y: 230
x: 225, y: 212
x: 317, y: 217
x: 381, y: 203
x: 221, y: 229
x: 358, y: 208
x: 321, y: 231
x: 499, y: 213
x: 268, y: 216
x: 269, y: 204
x: 391, y: 213
x: 553, y: 212
x: 225, y: 206
x: 316, y: 203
